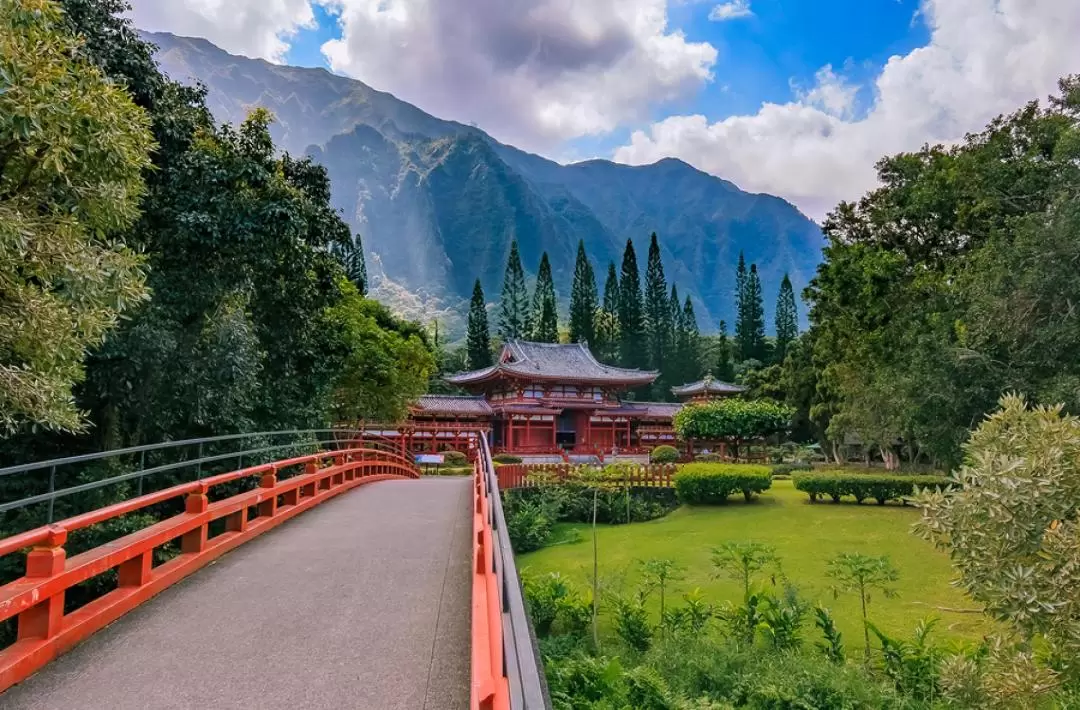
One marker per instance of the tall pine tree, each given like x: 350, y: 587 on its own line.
x: 633, y: 351
x: 672, y: 366
x: 787, y: 319
x: 750, y: 326
x: 657, y: 309
x: 545, y: 319
x: 607, y: 320
x: 725, y: 365
x: 478, y: 338
x: 514, y: 305
x: 583, y: 300
x: 689, y: 344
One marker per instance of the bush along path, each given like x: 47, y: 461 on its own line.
x: 860, y: 486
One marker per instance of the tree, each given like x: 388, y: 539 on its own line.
x: 1011, y: 524
x: 545, y: 320
x: 750, y: 326
x: 660, y: 573
x: 658, y: 322
x: 675, y: 362
x: 514, y: 305
x: 352, y: 259
x: 742, y: 559
x: 632, y: 347
x: 863, y: 574
x: 734, y: 420
x: 689, y: 345
x: 725, y: 366
x: 73, y: 147
x: 478, y: 335
x: 386, y: 365
x: 607, y: 320
x: 787, y: 319
x: 583, y: 300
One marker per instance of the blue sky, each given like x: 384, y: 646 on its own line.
x: 760, y: 56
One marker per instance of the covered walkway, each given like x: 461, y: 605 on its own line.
x: 362, y: 602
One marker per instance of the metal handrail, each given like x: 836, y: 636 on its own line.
x: 521, y: 657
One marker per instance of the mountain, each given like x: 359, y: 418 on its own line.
x: 437, y: 203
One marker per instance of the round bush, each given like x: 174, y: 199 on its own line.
x: 664, y: 454
x: 455, y: 458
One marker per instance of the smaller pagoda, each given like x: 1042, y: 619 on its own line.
x: 706, y: 389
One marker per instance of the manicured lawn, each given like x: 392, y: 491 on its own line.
x: 805, y: 537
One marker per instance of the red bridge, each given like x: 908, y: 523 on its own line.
x: 361, y: 585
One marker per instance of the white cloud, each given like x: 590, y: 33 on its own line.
x: 531, y: 72
x: 985, y: 57
x: 732, y: 10
x: 254, y: 28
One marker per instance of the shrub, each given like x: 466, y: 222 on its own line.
x: 881, y: 488
x: 664, y: 454
x: 528, y: 523
x: 455, y: 458
x: 506, y: 458
x: 632, y: 623
x: 704, y: 483
x: 708, y: 458
x: 786, y: 469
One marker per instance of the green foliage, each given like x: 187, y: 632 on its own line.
x: 709, y: 484
x: 514, y: 304
x: 709, y: 458
x: 750, y: 321
x: 864, y: 486
x: 734, y: 419
x: 1012, y: 526
x: 725, y: 357
x: 913, y: 666
x: 552, y: 600
x: 631, y: 621
x: 657, y: 310
x: 787, y: 319
x: 743, y: 559
x: 584, y: 300
x: 832, y: 643
x: 544, y: 317
x: 73, y: 147
x: 506, y: 458
x: 478, y: 335
x: 528, y: 523
x: 786, y: 469
x: 863, y: 574
x: 631, y: 313
x: 664, y: 454
x: 455, y: 458
x: 386, y: 365
x: 606, y: 347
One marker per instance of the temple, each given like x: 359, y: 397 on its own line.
x: 546, y: 399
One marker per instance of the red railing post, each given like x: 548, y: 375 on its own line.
x: 268, y: 507
x: 194, y: 541
x: 44, y: 619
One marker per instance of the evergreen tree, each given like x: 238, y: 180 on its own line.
x: 658, y: 324
x: 787, y: 319
x: 478, y: 338
x: 545, y: 319
x: 690, y: 344
x: 725, y: 367
x: 606, y: 348
x: 583, y: 300
x: 351, y: 255
x: 740, y: 281
x: 750, y: 323
x: 514, y: 305
x: 632, y: 346
x: 673, y: 365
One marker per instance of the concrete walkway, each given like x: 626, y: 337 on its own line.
x: 362, y: 602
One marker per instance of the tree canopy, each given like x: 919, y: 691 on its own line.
x: 733, y: 419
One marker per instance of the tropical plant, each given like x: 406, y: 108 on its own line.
x: 863, y: 574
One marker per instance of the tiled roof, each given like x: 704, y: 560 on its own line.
x: 553, y: 361
x: 652, y: 410
x: 707, y: 386
x: 452, y: 405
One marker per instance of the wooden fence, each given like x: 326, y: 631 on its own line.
x: 632, y: 475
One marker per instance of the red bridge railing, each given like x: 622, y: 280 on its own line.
x: 37, y: 599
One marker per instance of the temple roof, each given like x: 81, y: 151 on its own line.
x: 707, y: 386
x: 452, y: 405
x: 647, y: 410
x: 552, y: 361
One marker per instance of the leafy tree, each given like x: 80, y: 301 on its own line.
x: 732, y: 419
x: 658, y: 321
x: 658, y: 574
x: 73, y: 148
x: 514, y: 305
x: 351, y: 254
x: 750, y: 326
x: 545, y: 320
x: 632, y: 346
x: 583, y: 300
x: 387, y: 363
x: 478, y: 335
x: 863, y: 574
x: 1012, y: 524
x: 787, y: 319
x: 742, y: 559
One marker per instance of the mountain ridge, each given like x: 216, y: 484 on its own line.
x: 438, y: 202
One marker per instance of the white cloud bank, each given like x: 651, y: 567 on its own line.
x: 985, y: 57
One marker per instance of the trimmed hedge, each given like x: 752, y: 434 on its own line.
x: 664, y: 454
x: 506, y: 458
x: 455, y: 458
x: 711, y: 483
x: 861, y: 486
x: 708, y: 458
x: 786, y: 469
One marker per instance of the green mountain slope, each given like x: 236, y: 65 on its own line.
x: 438, y: 202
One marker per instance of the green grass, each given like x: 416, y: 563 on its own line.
x: 805, y: 537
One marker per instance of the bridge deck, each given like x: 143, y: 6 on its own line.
x: 362, y: 602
